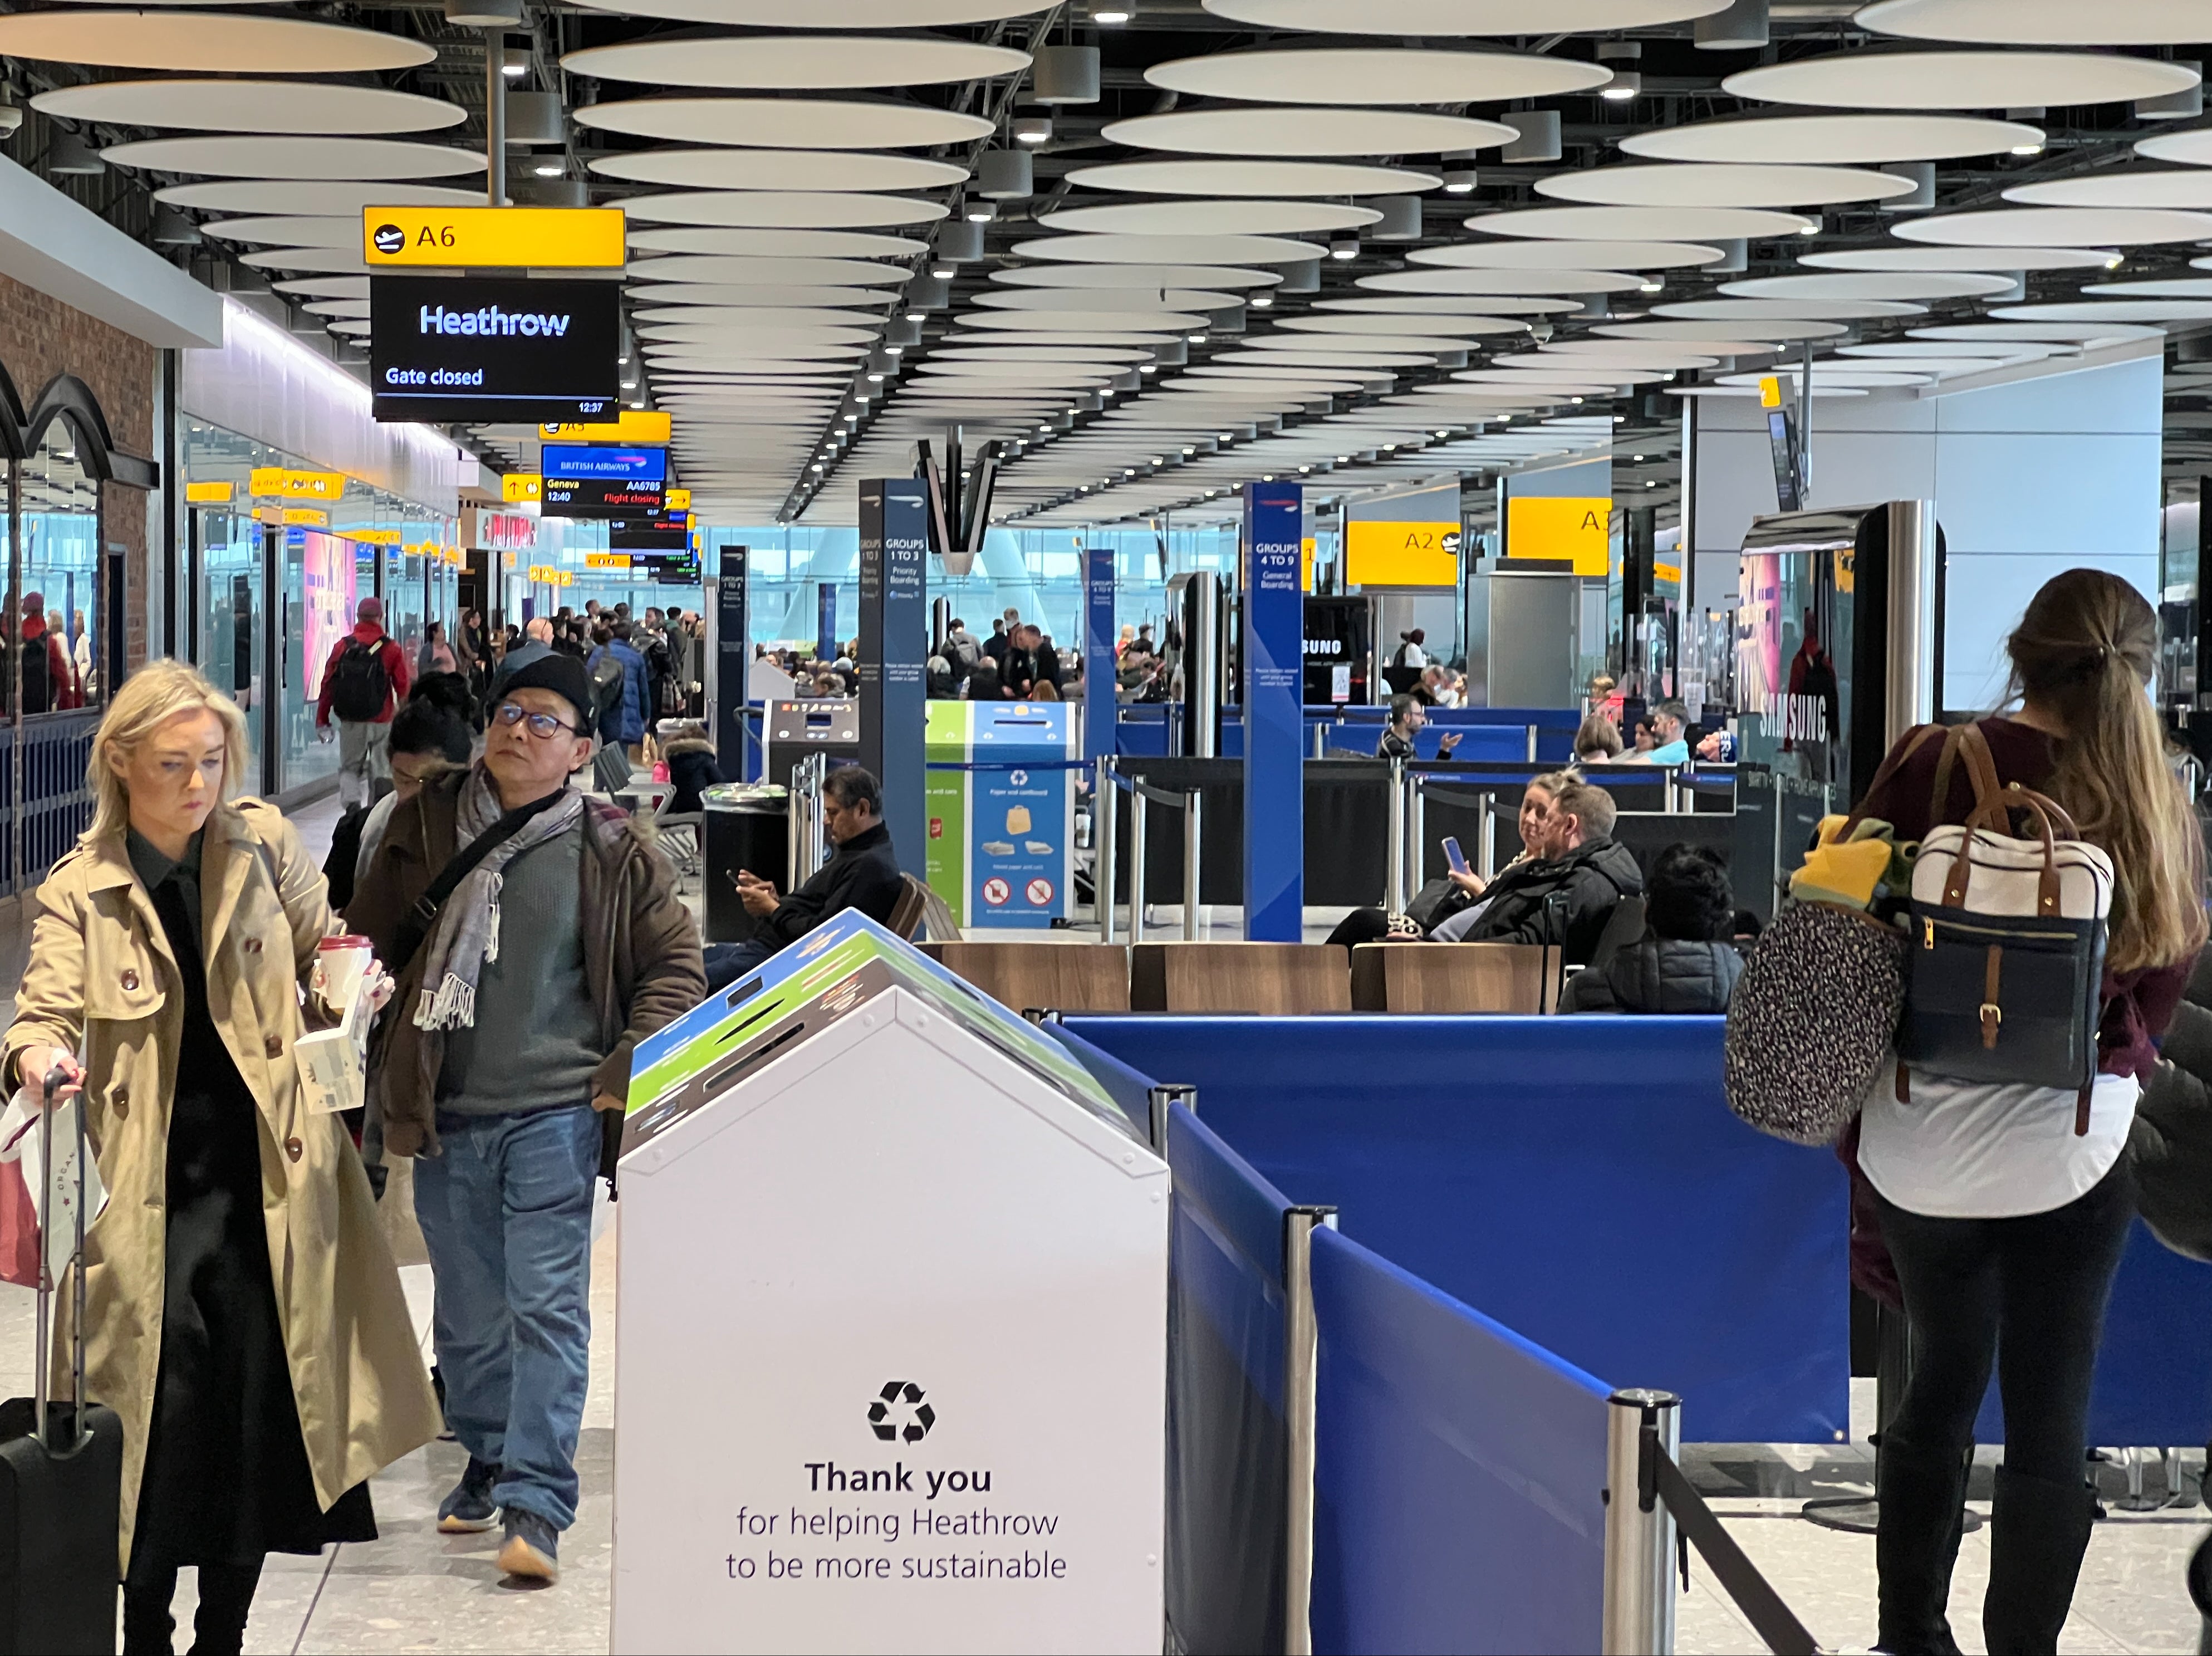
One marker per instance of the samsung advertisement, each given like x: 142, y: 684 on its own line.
x: 481, y: 349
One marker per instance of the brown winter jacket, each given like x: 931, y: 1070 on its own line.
x: 640, y: 952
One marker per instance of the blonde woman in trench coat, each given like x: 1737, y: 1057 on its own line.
x: 243, y: 1315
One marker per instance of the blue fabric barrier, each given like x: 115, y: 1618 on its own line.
x: 1580, y: 1179
x: 1226, y: 1514
x: 2153, y: 1384
x: 1460, y: 1485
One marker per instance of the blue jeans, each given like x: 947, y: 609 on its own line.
x: 507, y: 1213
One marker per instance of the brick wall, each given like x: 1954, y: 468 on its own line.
x: 41, y: 337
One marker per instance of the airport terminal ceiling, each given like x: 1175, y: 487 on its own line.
x: 1154, y: 249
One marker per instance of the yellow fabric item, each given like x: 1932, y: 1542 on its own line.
x: 1846, y: 872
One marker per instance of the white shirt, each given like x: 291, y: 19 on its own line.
x: 1965, y: 1150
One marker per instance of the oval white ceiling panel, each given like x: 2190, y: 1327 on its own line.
x: 652, y: 316
x: 1456, y: 17
x: 1720, y: 339
x: 1290, y: 131
x: 289, y: 232
x: 1102, y: 321
x: 1507, y: 283
x: 2039, y: 22
x: 2179, y: 186
x: 2044, y: 227
x: 337, y: 307
x: 2173, y: 287
x: 1470, y: 328
x: 776, y: 244
x: 229, y: 105
x: 1538, y: 386
x: 1694, y: 184
x: 1135, y: 276
x: 769, y: 294
x: 1961, y: 259
x: 1827, y: 373
x: 1451, y: 304
x: 1870, y: 284
x: 2065, y: 332
x: 1251, y: 177
x: 206, y: 42
x: 1241, y: 216
x: 1834, y: 140
x: 1988, y: 351
x: 823, y: 14
x: 782, y: 209
x: 325, y: 287
x: 2190, y: 149
x: 781, y: 63
x: 1639, y: 224
x: 335, y: 261
x: 2112, y: 310
x: 344, y: 196
x: 1159, y: 336
x: 1541, y: 255
x: 1330, y: 74
x: 778, y: 169
x: 1780, y: 313
x: 784, y: 123
x: 1350, y: 344
x: 1161, y: 249
x: 1068, y: 299
x: 1960, y: 80
x: 258, y: 155
x: 1024, y: 352
x: 710, y: 267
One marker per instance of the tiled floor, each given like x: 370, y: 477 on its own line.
x: 415, y: 1590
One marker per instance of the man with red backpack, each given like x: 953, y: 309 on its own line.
x: 364, y: 681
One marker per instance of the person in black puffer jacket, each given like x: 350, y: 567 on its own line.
x: 2171, y: 1141
x: 692, y: 768
x: 1687, y: 962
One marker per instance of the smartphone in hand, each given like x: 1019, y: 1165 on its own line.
x: 1455, y: 856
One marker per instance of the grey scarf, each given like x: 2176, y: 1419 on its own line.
x: 467, y: 937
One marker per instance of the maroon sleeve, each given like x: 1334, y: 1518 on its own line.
x: 395, y: 669
x: 323, y: 696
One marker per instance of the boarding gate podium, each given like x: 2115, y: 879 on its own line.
x: 892, y: 1352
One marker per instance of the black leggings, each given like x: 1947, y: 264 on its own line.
x: 218, y: 1627
x: 2035, y: 1286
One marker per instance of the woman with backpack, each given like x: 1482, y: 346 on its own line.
x: 2005, y: 1206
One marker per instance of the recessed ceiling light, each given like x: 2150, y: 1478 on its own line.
x: 2027, y: 149
x: 1624, y: 85
x: 1652, y: 286
x: 1112, y: 15
x: 1344, y: 246
x: 1459, y: 181
x: 981, y: 212
x: 548, y: 169
x: 1261, y: 300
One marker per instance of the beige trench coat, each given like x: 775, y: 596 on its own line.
x: 102, y: 982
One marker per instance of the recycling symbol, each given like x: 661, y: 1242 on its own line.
x: 901, y: 1400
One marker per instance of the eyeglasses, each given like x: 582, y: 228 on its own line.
x: 542, y: 725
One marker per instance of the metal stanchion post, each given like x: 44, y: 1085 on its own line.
x: 1532, y: 744
x: 1301, y: 1351
x: 1193, y: 840
x: 1485, y: 836
x: 1417, y: 833
x: 1105, y: 828
x: 1137, y: 814
x: 1640, y: 1532
x: 1393, y: 878
x: 1160, y: 1097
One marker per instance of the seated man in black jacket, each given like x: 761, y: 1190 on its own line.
x: 861, y: 873
x: 1687, y: 962
x: 1567, y: 892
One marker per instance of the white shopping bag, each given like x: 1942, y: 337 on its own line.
x: 53, y: 1189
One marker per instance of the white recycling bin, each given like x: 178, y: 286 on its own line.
x: 891, y: 1332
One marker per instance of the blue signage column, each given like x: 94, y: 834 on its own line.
x: 825, y: 619
x: 894, y: 641
x: 733, y: 658
x: 1274, y: 717
x: 1098, y: 662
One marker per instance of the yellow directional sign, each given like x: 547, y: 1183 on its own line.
x: 276, y: 482
x: 493, y: 238
x: 1400, y: 554
x: 311, y: 517
x: 606, y: 560
x: 516, y: 487
x: 208, y: 494
x: 1562, y: 528
x: 679, y: 500
x: 636, y: 425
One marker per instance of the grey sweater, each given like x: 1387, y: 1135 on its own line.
x: 535, y: 1043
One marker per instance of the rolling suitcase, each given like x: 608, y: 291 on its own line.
x: 61, y: 1482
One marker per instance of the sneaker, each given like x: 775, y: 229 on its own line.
x: 532, y: 1549
x: 469, y: 1510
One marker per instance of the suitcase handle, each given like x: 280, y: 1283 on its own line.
x: 41, y: 1402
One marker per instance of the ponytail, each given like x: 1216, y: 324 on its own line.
x: 2085, y: 652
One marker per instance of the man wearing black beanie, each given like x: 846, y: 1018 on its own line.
x: 502, y: 1065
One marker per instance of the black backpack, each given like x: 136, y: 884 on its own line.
x: 37, y: 676
x: 359, y: 687
x: 608, y: 692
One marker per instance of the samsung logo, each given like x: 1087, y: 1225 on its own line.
x: 491, y: 319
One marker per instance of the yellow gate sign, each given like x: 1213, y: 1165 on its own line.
x: 1400, y: 554
x: 1567, y: 528
x: 633, y: 425
x: 493, y: 238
